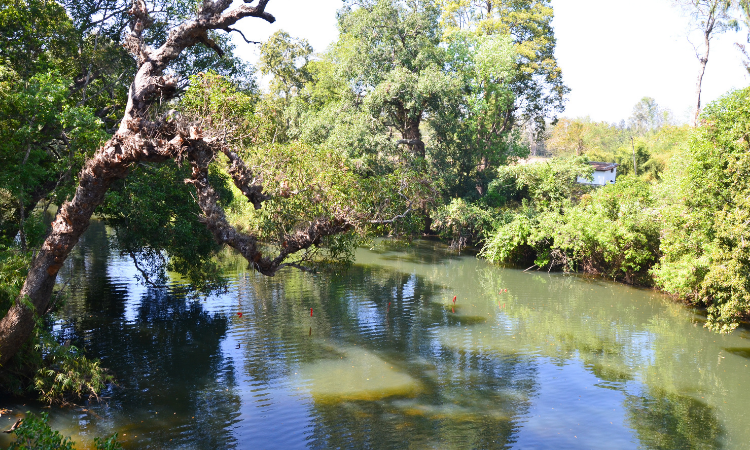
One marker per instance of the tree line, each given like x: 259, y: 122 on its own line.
x: 140, y: 112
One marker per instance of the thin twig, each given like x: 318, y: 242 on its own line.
x: 230, y: 29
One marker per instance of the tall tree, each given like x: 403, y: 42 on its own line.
x: 647, y: 116
x: 390, y: 52
x: 286, y: 58
x: 410, y: 94
x: 537, y: 82
x: 709, y: 18
x: 477, y: 130
x: 45, y: 126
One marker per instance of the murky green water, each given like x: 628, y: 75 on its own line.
x: 387, y: 361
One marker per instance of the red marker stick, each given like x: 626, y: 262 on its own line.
x: 310, y: 312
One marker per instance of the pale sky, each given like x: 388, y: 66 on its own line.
x: 612, y: 53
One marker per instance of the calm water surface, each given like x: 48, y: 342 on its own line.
x: 387, y: 361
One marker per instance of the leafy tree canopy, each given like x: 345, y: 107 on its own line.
x: 537, y: 82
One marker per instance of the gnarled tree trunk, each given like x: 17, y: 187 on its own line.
x: 137, y: 140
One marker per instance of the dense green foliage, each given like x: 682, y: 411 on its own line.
x: 66, y: 374
x: 684, y: 231
x: 387, y: 96
x: 306, y: 182
x: 536, y: 80
x: 35, y: 433
x: 610, y: 231
x: 464, y: 223
x: 706, y: 235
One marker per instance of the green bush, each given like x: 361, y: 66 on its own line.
x: 35, y: 433
x: 14, y: 265
x: 706, y: 193
x: 462, y: 222
x: 511, y: 242
x: 611, y: 231
x: 544, y: 184
x: 67, y: 374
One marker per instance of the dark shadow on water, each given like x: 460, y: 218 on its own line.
x: 170, y: 373
x: 418, y: 252
x: 743, y: 352
x: 174, y: 387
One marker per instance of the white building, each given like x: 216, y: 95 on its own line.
x: 604, y: 173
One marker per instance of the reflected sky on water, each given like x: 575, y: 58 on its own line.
x: 387, y: 360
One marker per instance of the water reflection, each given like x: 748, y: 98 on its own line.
x: 379, y: 356
x: 174, y: 386
x: 371, y: 366
x: 667, y: 421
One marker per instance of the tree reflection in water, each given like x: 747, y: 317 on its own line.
x: 383, y: 363
x: 666, y: 420
x: 462, y: 399
x: 174, y: 386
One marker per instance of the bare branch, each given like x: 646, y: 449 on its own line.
x: 144, y: 274
x: 397, y: 217
x: 298, y: 266
x: 230, y: 29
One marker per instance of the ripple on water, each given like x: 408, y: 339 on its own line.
x: 521, y: 360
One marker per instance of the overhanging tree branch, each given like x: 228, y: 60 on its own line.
x: 137, y: 140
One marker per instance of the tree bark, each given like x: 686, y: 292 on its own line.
x: 138, y: 139
x: 413, y: 138
x: 710, y: 14
x: 703, y: 60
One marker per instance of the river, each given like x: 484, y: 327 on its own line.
x: 379, y: 356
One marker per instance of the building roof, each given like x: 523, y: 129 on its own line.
x: 603, y: 166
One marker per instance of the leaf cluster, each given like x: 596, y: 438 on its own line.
x: 35, y: 433
x: 66, y: 373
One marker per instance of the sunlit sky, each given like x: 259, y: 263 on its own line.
x: 611, y: 53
